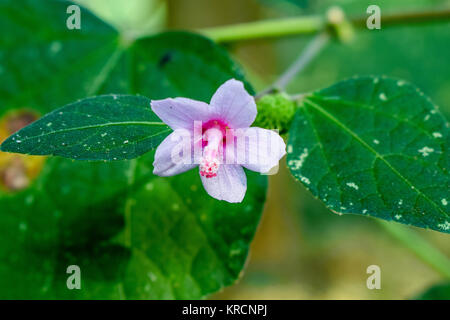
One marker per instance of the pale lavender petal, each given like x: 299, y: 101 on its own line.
x: 230, y: 183
x: 174, y: 154
x: 181, y: 112
x: 234, y: 105
x: 259, y: 149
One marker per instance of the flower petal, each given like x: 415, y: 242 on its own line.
x: 174, y: 154
x: 232, y: 103
x: 181, y: 112
x: 230, y: 184
x: 260, y: 150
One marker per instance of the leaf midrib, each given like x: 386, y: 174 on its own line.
x: 332, y: 118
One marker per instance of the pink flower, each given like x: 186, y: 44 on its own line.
x: 218, y: 139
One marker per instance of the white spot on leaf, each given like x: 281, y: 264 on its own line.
x: 444, y: 226
x: 425, y: 151
x: 352, y: 185
x: 305, y: 180
x: 298, y: 163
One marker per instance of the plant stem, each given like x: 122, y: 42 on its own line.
x: 266, y: 29
x: 310, y: 24
x: 419, y: 246
x: 307, y: 55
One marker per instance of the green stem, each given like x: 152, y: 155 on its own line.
x: 312, y: 24
x: 419, y: 246
x: 266, y: 29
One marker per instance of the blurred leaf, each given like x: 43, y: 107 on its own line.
x: 437, y: 292
x: 178, y: 242
x: 374, y: 146
x: 133, y: 17
x: 186, y: 245
x: 64, y: 65
x: 280, y: 3
x: 99, y: 128
x: 44, y: 64
x: 71, y: 205
x: 74, y: 212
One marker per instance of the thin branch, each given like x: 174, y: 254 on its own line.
x: 312, y: 24
x: 306, y: 56
x: 266, y: 29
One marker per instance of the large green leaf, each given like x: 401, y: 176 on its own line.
x: 377, y: 147
x: 44, y: 65
x: 109, y: 127
x: 74, y: 212
x: 64, y: 211
x: 177, y: 241
x: 73, y: 64
x: 184, y: 244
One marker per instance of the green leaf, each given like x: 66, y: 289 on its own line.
x: 65, y: 65
x: 437, y: 292
x: 185, y: 244
x: 74, y: 212
x: 175, y: 240
x: 72, y: 207
x: 114, y: 127
x: 44, y: 65
x: 377, y: 147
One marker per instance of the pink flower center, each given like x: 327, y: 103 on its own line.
x: 213, y: 136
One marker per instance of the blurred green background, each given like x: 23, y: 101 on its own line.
x: 302, y: 250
